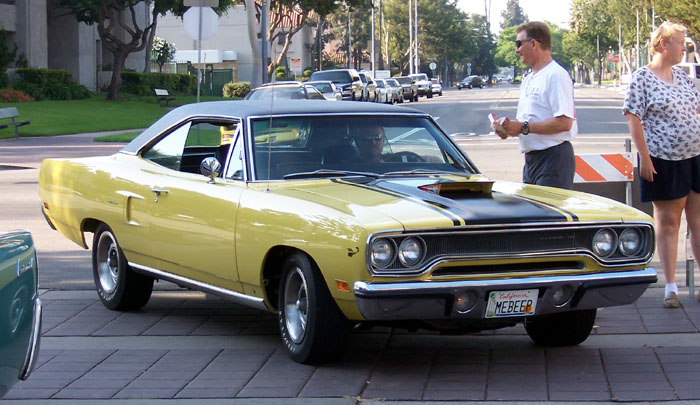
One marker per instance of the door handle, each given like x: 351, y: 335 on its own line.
x: 158, y: 192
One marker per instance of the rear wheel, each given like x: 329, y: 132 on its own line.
x: 562, y: 329
x: 312, y: 327
x: 118, y: 287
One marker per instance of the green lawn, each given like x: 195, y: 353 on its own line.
x: 91, y: 115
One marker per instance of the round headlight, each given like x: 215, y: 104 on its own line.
x: 630, y: 242
x: 381, y: 252
x: 410, y: 252
x: 604, y: 242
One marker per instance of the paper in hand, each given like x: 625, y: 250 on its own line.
x: 497, y: 123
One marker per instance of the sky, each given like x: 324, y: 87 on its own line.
x: 556, y: 11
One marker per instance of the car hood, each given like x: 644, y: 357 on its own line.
x: 435, y: 201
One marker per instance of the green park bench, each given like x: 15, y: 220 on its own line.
x: 12, y: 113
x: 163, y: 95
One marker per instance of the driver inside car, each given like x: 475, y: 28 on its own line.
x: 370, y: 142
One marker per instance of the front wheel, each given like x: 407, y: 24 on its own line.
x: 563, y: 329
x: 118, y: 286
x: 312, y: 327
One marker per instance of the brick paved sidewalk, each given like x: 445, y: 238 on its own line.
x: 189, y: 345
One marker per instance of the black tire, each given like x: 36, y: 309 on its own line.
x: 312, y: 327
x: 563, y: 329
x: 430, y: 95
x: 415, y: 98
x: 118, y: 287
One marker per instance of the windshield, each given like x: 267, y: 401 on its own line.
x: 267, y: 93
x: 289, y: 146
x: 323, y: 87
x: 335, y: 77
x: 420, y: 76
x: 403, y: 80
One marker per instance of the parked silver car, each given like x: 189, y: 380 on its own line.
x: 369, y: 87
x: 396, y: 90
x: 286, y: 90
x: 328, y: 89
x: 385, y: 93
x: 436, y: 86
x: 424, y: 86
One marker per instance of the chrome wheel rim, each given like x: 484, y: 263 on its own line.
x: 296, y: 305
x: 108, y: 262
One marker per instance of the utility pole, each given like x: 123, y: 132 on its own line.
x: 374, y: 67
x: 410, y: 38
x: 263, y: 39
x: 417, y: 61
x: 349, y: 41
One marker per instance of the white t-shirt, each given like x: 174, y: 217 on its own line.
x: 546, y: 94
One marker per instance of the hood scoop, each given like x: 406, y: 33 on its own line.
x: 456, y: 189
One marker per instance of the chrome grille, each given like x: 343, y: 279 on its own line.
x: 533, y: 241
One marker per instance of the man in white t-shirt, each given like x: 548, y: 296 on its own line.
x: 546, y: 118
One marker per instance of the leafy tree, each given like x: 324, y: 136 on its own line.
x: 163, y: 52
x: 446, y: 35
x: 6, y: 56
x: 592, y: 24
x: 505, y: 49
x: 483, y: 62
x: 681, y: 11
x: 119, y: 28
x: 513, y: 15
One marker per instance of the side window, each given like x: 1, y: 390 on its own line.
x: 235, y: 165
x: 184, y: 148
x: 167, y: 152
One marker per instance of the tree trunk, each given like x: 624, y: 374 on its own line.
x: 116, y: 83
x: 253, y: 29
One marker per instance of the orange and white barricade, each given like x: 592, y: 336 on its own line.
x: 595, y: 167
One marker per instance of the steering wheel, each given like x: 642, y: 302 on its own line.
x: 405, y: 156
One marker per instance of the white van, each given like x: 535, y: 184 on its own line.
x: 692, y: 70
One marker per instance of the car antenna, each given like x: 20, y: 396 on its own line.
x: 269, y: 137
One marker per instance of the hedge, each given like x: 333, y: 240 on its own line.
x: 142, y: 84
x: 236, y: 89
x: 52, y: 84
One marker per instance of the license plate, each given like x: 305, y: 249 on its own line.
x: 511, y: 303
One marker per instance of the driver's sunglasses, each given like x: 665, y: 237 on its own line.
x: 375, y: 137
x: 519, y: 42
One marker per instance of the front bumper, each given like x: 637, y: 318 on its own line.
x: 434, y: 300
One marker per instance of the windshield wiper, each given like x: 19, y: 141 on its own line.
x: 330, y: 173
x: 426, y: 172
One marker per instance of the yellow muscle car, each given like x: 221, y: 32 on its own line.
x: 367, y: 214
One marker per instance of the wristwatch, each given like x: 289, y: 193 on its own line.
x: 525, y: 130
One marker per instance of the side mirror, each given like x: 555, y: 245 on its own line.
x: 210, y: 167
x: 356, y: 79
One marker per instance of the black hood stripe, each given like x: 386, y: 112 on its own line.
x: 437, y: 207
x: 573, y: 216
x: 494, y: 208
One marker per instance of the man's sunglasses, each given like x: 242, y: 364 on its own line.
x: 519, y: 42
x: 375, y: 137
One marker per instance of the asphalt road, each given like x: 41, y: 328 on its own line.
x: 189, y: 347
